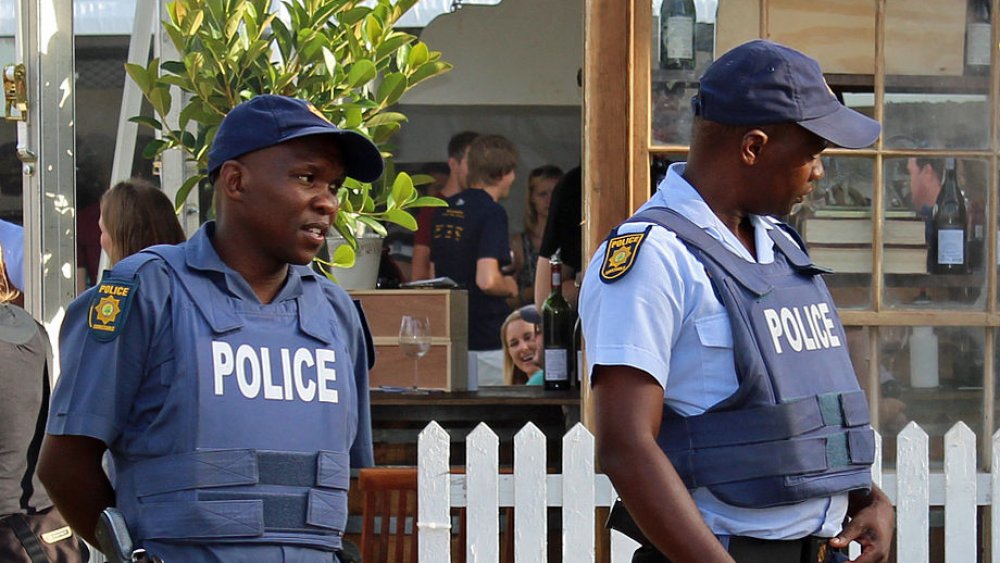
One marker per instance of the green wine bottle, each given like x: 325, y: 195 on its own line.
x: 557, y: 333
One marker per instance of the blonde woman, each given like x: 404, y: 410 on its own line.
x: 525, y: 244
x: 522, y: 347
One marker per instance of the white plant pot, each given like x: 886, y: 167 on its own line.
x: 364, y: 273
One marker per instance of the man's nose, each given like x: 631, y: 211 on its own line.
x: 817, y: 170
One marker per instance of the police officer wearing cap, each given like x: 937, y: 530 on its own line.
x: 227, y: 379
x: 728, y: 415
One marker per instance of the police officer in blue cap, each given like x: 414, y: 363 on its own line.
x: 728, y: 415
x: 227, y: 379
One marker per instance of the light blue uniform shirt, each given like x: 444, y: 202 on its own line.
x: 12, y: 242
x: 679, y: 333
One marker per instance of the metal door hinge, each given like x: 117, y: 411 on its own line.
x: 15, y: 91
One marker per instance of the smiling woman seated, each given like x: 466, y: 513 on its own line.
x: 522, y: 343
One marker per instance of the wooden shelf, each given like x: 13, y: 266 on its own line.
x: 894, y: 83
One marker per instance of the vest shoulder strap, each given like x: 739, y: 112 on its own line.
x: 704, y: 247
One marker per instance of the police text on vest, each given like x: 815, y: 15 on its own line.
x: 303, y: 373
x: 806, y: 327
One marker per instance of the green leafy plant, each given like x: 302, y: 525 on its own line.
x: 344, y: 56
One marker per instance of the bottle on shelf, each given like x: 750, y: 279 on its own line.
x: 677, y: 21
x: 977, y: 37
x: 949, y: 242
x: 923, y: 358
x: 557, y: 333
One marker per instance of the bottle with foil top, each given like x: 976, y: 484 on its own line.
x: 557, y: 333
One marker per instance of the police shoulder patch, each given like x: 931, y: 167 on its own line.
x: 109, y: 308
x: 620, y: 254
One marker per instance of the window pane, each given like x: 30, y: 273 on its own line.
x: 936, y: 95
x: 836, y: 225
x: 932, y: 376
x: 679, y: 55
x: 912, y: 190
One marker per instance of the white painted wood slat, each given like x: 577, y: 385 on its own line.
x: 912, y: 517
x: 530, y: 515
x: 578, y: 495
x: 433, y: 495
x: 960, y: 493
x: 482, y: 453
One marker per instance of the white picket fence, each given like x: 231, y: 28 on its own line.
x: 482, y: 490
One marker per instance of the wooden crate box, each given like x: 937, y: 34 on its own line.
x: 446, y: 364
x: 922, y: 37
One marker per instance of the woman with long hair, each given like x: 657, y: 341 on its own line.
x: 522, y: 347
x: 135, y: 215
x: 525, y: 244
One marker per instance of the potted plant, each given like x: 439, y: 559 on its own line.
x: 344, y: 56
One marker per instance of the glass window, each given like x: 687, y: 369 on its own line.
x: 917, y: 266
x: 932, y: 375
x: 836, y: 223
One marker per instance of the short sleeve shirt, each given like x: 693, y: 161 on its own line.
x: 473, y: 226
x: 117, y: 391
x: 680, y: 334
x: 12, y: 243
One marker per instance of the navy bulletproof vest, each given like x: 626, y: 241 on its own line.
x: 797, y: 427
x: 265, y: 413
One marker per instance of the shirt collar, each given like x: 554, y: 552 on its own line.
x: 201, y: 255
x: 676, y: 193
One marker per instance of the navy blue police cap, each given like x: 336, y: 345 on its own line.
x: 762, y: 83
x: 268, y: 120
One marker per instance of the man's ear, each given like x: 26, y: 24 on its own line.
x: 751, y: 145
x: 231, y: 178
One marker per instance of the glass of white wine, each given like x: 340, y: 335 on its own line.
x: 415, y: 341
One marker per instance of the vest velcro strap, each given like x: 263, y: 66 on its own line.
x: 194, y: 470
x: 293, y: 511
x: 223, y: 468
x: 327, y: 509
x: 861, y: 443
x: 193, y: 520
x: 763, y: 424
x: 789, y: 457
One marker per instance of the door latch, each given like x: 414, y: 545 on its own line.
x: 15, y: 92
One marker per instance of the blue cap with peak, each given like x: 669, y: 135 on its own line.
x: 762, y: 83
x: 268, y: 120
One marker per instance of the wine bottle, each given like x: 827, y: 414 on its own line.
x: 677, y: 18
x: 557, y: 333
x: 977, y: 37
x: 950, y: 233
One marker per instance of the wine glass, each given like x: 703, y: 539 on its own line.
x: 415, y: 341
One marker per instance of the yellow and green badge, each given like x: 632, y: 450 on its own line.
x: 620, y: 254
x: 109, y: 308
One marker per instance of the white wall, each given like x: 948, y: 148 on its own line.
x: 519, y: 52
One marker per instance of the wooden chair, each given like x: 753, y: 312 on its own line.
x: 390, y: 496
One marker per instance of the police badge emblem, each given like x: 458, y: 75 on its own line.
x: 109, y: 308
x: 620, y: 254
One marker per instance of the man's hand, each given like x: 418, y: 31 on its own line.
x: 871, y: 525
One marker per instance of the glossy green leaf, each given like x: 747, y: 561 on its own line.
x: 139, y: 75
x: 154, y: 148
x: 185, y: 189
x: 147, y: 121
x: 391, y: 88
x: 343, y: 256
x: 373, y: 224
x: 362, y: 72
x: 428, y: 201
x: 418, y: 55
x: 401, y: 218
x: 384, y: 118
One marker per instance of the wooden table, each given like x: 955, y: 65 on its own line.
x: 397, y: 419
